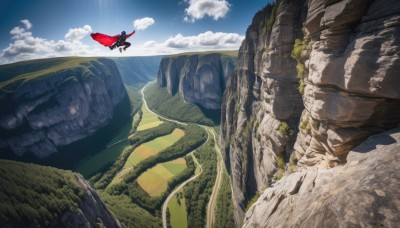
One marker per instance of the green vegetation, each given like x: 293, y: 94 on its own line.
x: 197, y: 193
x: 153, y: 147
x: 155, y: 180
x: 99, y: 160
x: 149, y: 120
x: 283, y: 127
x: 137, y: 139
x: 152, y: 133
x: 153, y: 203
x: 137, y: 71
x: 177, y: 211
x: 135, y: 98
x: 298, y: 48
x: 129, y: 213
x: 252, y: 200
x: 224, y: 209
x: 272, y: 17
x: 36, y: 195
x: 28, y: 70
x: 175, y: 107
x: 193, y: 138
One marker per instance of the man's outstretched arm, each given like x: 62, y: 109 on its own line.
x: 131, y: 34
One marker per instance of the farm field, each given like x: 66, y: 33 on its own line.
x: 153, y: 147
x: 155, y: 180
x: 177, y: 211
x: 149, y: 120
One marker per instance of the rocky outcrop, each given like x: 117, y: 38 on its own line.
x: 351, y: 77
x: 261, y: 98
x: 199, y: 78
x: 57, y: 103
x: 91, y: 212
x: 361, y: 193
x: 347, y: 59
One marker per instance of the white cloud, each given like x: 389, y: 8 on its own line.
x: 143, y: 23
x: 198, y: 9
x: 76, y: 34
x: 27, y: 23
x: 211, y: 40
x: 25, y: 46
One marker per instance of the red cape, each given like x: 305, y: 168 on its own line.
x: 104, y: 39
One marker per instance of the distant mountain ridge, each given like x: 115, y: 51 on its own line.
x: 138, y: 70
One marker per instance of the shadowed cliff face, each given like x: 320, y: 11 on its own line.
x: 58, y: 105
x: 261, y: 96
x: 199, y: 78
x: 348, y: 68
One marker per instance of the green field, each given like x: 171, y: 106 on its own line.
x: 153, y: 147
x: 177, y: 211
x: 155, y: 180
x: 94, y: 163
x: 149, y: 120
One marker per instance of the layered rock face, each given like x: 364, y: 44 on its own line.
x: 362, y: 193
x: 52, y: 107
x: 349, y: 74
x: 261, y: 97
x: 91, y: 212
x: 351, y: 77
x: 199, y: 78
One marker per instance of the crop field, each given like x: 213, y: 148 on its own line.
x: 155, y: 180
x: 177, y: 211
x: 149, y: 120
x: 153, y: 147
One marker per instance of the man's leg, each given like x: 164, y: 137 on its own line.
x: 127, y: 44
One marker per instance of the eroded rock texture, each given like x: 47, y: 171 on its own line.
x: 261, y: 96
x: 350, y: 56
x: 361, y: 193
x: 57, y: 108
x: 199, y: 78
x: 353, y: 68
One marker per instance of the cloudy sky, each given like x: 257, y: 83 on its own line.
x: 48, y: 28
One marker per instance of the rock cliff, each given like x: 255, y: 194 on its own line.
x: 91, y: 212
x: 260, y: 99
x: 308, y: 102
x: 49, y: 104
x: 361, y: 193
x: 199, y: 78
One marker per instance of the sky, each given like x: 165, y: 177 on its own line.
x: 50, y: 28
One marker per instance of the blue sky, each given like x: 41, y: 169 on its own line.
x: 46, y: 28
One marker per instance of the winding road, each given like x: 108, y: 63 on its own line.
x: 165, y: 204
x: 213, y: 198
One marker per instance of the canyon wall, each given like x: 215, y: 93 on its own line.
x: 298, y: 105
x: 199, y: 78
x: 50, y: 104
